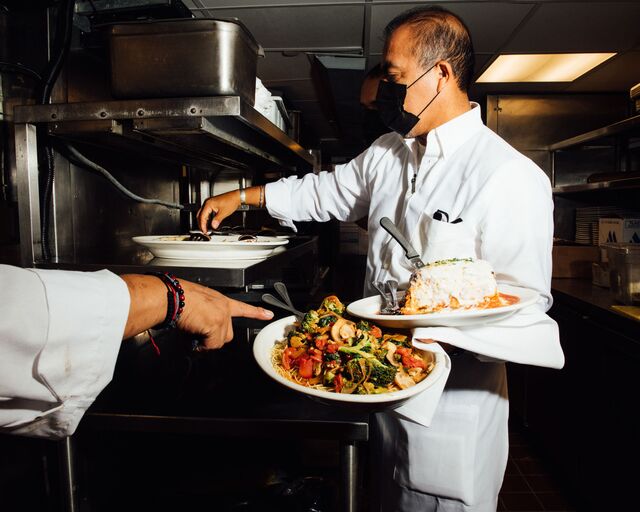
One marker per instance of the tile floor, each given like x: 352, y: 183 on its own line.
x: 527, y: 485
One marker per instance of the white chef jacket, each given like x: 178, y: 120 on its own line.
x: 469, y: 172
x: 505, y: 205
x: 60, y: 333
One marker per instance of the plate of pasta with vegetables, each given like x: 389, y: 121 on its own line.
x: 331, y: 356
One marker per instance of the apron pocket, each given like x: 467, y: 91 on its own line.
x: 439, y: 460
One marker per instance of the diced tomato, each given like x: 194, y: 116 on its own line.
x: 375, y: 331
x: 306, y: 367
x: 290, y: 355
x: 410, y: 361
x: 287, y: 357
x: 332, y: 348
x: 337, y: 381
x: 413, y: 362
x: 321, y: 342
x: 315, y: 354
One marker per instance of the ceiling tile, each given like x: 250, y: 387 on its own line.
x: 302, y: 26
x: 613, y: 75
x: 579, y: 27
x: 490, y: 23
x: 217, y: 4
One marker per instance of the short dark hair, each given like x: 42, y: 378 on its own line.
x: 439, y: 35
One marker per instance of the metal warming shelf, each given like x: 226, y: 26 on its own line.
x: 208, y: 276
x: 631, y: 123
x: 204, y: 128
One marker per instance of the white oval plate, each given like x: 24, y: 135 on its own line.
x: 277, y: 331
x: 221, y: 247
x: 369, y: 309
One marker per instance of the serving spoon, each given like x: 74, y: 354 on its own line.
x: 274, y: 301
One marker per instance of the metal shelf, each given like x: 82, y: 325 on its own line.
x: 629, y: 183
x: 204, y: 272
x: 607, y: 131
x: 188, y: 130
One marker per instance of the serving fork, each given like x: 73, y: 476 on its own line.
x: 387, y: 290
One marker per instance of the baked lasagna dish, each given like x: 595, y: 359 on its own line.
x: 452, y: 284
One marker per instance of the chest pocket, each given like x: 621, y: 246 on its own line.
x: 438, y: 240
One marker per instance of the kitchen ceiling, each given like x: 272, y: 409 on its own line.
x: 293, y: 32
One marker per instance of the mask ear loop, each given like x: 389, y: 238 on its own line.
x: 422, y: 75
x: 432, y: 100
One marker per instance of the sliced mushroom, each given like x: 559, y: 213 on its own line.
x: 391, y: 350
x: 343, y: 330
x: 403, y: 380
x: 417, y: 374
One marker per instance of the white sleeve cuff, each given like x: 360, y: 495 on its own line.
x: 275, y: 195
x: 87, y: 316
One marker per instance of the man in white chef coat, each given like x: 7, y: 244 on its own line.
x: 60, y: 334
x: 455, y: 189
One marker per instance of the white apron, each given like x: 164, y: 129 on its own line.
x: 458, y: 462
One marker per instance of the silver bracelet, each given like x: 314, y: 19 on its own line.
x: 243, y: 197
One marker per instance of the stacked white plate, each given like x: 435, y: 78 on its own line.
x: 220, y: 247
x: 587, y: 218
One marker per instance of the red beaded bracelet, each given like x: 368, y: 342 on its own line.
x: 175, y: 299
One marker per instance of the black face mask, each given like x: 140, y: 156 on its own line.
x: 390, y: 105
x: 372, y: 126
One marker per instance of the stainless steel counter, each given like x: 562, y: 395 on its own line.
x: 183, y: 393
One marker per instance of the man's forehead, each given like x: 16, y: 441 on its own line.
x: 398, y: 53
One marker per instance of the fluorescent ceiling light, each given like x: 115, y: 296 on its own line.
x: 548, y: 67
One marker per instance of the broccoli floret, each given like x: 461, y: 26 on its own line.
x: 326, y: 320
x: 381, y: 374
x: 366, y: 346
x: 353, y: 370
x: 362, y: 349
x: 296, y: 338
x: 310, y: 321
x: 363, y: 326
x: 328, y: 378
x: 331, y: 357
x: 381, y: 355
x: 333, y: 304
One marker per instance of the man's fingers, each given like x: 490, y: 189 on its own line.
x: 238, y: 308
x: 203, y: 217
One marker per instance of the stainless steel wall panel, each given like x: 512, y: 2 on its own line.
x: 28, y: 194
x: 533, y: 122
x: 104, y: 220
